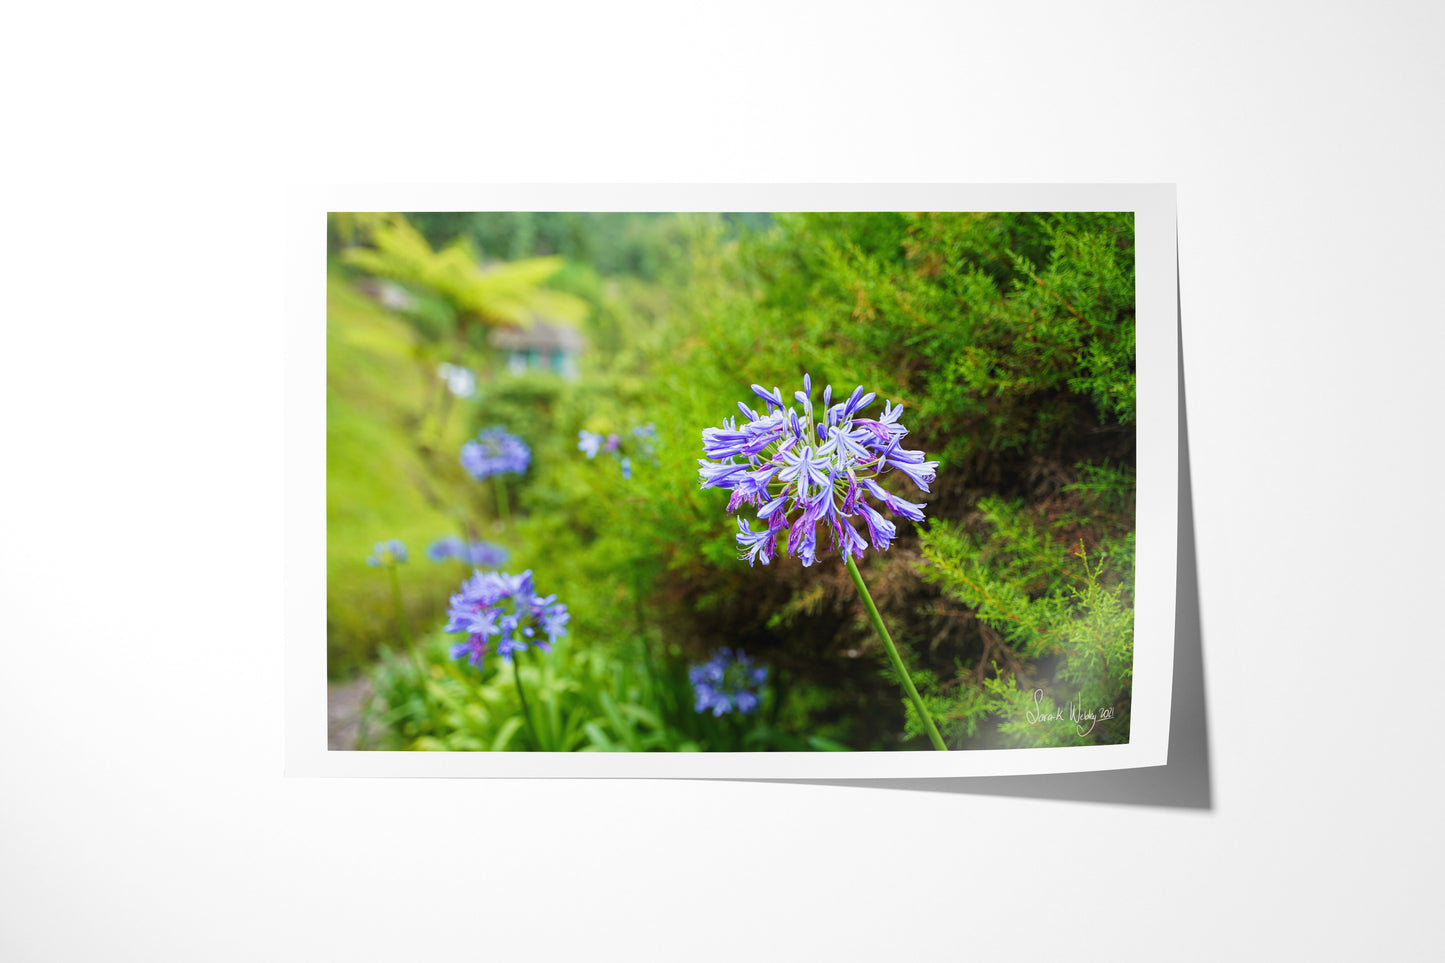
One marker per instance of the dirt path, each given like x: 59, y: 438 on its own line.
x: 343, y: 712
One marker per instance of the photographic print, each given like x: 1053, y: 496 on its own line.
x: 735, y: 484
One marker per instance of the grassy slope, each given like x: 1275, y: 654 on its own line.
x: 379, y: 486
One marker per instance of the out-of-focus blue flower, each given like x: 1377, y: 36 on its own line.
x: 386, y: 554
x: 445, y: 548
x: 638, y: 442
x: 484, y: 555
x: 507, y: 607
x: 727, y: 682
x: 809, y: 472
x: 589, y: 442
x: 459, y: 380
x: 495, y: 453
x: 479, y: 554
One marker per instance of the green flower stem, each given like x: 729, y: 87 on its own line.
x: 637, y: 615
x: 405, y: 630
x: 503, y: 511
x: 526, y: 712
x: 637, y: 599
x: 893, y: 655
x: 396, y: 603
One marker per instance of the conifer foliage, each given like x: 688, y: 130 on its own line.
x: 1010, y: 337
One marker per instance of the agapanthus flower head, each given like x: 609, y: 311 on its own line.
x: 808, y: 471
x: 479, y: 554
x: 386, y: 554
x: 444, y: 548
x: 495, y: 453
x: 728, y: 681
x: 484, y: 555
x: 505, y: 607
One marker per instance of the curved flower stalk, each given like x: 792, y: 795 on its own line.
x: 460, y: 383
x: 493, y: 455
x: 389, y: 555
x: 727, y: 682
x: 507, y: 608
x: 808, y: 471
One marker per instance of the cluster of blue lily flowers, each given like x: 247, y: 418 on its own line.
x: 495, y: 452
x: 507, y: 607
x: 726, y: 682
x: 503, y: 614
x: 813, y: 470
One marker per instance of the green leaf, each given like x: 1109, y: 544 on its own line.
x: 505, y: 733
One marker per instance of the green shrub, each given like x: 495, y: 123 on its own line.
x: 1057, y: 624
x: 1009, y: 339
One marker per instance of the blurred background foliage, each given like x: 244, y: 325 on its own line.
x: 1009, y: 338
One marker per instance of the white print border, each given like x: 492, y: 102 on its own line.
x: 1156, y: 318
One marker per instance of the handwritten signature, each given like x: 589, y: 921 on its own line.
x: 1074, y: 714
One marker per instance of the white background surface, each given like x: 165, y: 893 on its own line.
x: 143, y: 815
